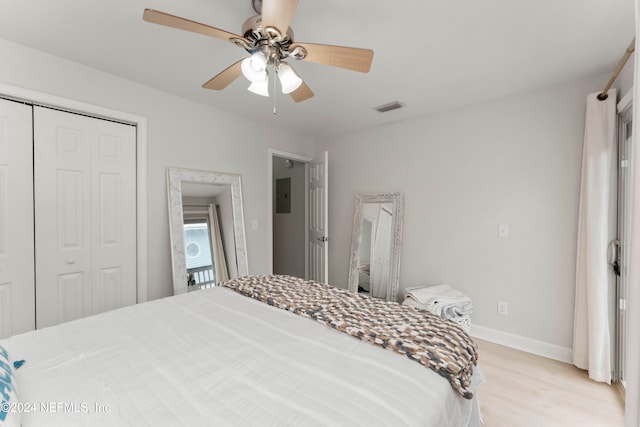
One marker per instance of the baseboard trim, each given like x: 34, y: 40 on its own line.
x: 540, y: 348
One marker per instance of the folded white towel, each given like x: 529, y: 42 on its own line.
x: 429, y: 294
x: 425, y: 294
x: 447, y: 311
x: 442, y: 300
x: 455, y: 310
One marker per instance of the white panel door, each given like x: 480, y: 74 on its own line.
x: 319, y: 218
x: 85, y: 215
x: 17, y: 311
x: 113, y: 216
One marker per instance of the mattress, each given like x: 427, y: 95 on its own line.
x: 217, y: 358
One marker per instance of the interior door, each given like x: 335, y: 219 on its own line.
x: 17, y: 312
x: 85, y: 215
x: 318, y: 218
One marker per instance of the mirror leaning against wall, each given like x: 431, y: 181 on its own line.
x: 375, y: 245
x: 206, y: 227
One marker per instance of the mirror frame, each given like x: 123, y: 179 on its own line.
x: 397, y: 202
x: 174, y: 178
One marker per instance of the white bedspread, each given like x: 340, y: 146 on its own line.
x: 217, y: 358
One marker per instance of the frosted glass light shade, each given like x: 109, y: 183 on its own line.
x: 288, y: 78
x: 260, y: 87
x: 254, y: 68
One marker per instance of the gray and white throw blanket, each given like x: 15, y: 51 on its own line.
x: 438, y: 344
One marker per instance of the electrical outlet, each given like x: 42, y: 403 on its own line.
x: 503, y: 308
x: 503, y: 230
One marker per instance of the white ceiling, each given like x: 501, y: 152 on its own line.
x: 429, y: 54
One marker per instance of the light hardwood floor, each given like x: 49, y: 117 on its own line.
x: 525, y: 390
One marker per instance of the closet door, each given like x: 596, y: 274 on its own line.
x: 85, y: 215
x: 17, y: 312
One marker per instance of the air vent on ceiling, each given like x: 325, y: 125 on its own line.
x: 388, y: 107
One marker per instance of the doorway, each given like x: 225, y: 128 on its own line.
x: 288, y: 213
x: 316, y: 213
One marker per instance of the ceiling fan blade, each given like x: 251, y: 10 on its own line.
x: 351, y: 58
x: 157, y: 17
x: 225, y: 77
x: 302, y: 93
x: 278, y: 13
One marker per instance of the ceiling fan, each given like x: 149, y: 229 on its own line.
x: 269, y: 39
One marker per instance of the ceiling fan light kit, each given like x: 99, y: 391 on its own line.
x: 263, y: 37
x: 289, y: 80
x: 260, y: 87
x: 254, y: 68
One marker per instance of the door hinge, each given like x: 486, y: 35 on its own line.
x: 623, y: 304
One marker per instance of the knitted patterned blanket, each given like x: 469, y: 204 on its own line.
x: 438, y: 344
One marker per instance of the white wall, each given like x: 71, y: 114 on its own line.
x: 181, y: 133
x: 514, y: 160
x: 624, y: 82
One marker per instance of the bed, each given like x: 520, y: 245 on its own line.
x: 228, y: 355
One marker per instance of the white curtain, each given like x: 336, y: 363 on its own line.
x: 632, y: 403
x: 591, y: 337
x: 219, y: 261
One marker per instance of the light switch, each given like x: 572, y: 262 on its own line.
x: 254, y: 224
x: 503, y: 230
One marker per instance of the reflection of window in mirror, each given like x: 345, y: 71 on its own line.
x: 197, y: 249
